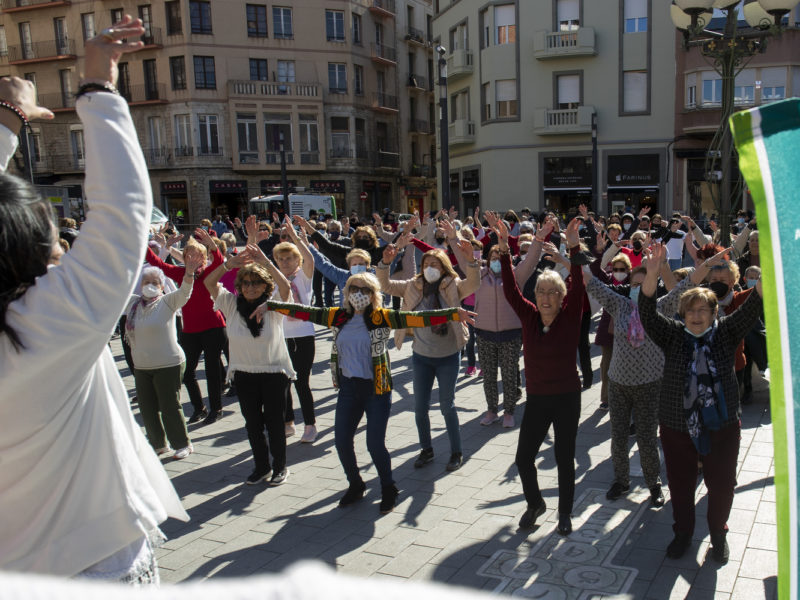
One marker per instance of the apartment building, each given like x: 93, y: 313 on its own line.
x: 526, y: 81
x: 343, y: 85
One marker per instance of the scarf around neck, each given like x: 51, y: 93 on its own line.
x: 245, y: 309
x: 703, y: 398
x: 130, y: 321
x: 432, y: 290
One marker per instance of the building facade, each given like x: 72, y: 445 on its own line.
x: 342, y: 86
x: 529, y: 81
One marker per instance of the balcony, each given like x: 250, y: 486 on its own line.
x: 459, y: 63
x: 694, y: 121
x: 416, y: 36
x: 58, y: 102
x: 386, y: 159
x: 461, y: 131
x: 65, y: 163
x: 274, y: 89
x: 154, y: 93
x: 37, y: 52
x: 383, y: 8
x: 309, y: 158
x: 419, y: 83
x: 12, y: 6
x: 156, y: 157
x: 421, y: 171
x: 420, y: 126
x: 152, y: 38
x: 274, y: 158
x: 384, y: 55
x: 207, y: 157
x: 561, y: 44
x: 385, y: 103
x: 560, y: 122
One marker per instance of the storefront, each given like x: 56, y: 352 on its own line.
x: 470, y: 192
x: 567, y: 183
x: 228, y: 198
x: 273, y: 186
x: 175, y: 201
x: 703, y: 183
x: 335, y: 188
x: 379, y: 196
x: 633, y: 182
x: 416, y: 199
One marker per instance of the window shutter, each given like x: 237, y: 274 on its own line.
x: 569, y: 89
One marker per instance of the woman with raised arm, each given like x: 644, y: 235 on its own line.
x: 82, y: 492
x: 699, y: 407
x: 550, y: 332
x: 362, y: 373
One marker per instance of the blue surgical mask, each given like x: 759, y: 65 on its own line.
x: 697, y: 335
x: 741, y: 220
x: 356, y: 269
x: 634, y: 293
x: 751, y: 283
x: 495, y: 266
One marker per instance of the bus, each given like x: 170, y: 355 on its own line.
x: 299, y: 204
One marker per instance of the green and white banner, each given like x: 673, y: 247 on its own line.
x: 768, y: 141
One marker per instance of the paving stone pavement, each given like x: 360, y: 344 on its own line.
x: 460, y: 528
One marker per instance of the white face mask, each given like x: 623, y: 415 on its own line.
x: 356, y: 269
x: 698, y: 335
x: 150, y: 291
x: 358, y: 300
x: 431, y: 274
x: 626, y: 226
x: 620, y: 276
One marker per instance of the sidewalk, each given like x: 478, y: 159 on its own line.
x: 461, y: 528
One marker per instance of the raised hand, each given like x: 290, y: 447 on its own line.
x: 688, y: 220
x: 238, y: 222
x: 404, y: 240
x: 377, y: 218
x: 448, y: 228
x: 174, y: 239
x: 573, y: 238
x: 644, y: 211
x: 345, y: 226
x: 467, y: 316
x: 465, y: 247
x: 477, y: 216
x: 244, y: 257
x: 303, y: 224
x: 193, y: 262
x: 251, y: 227
x: 719, y: 257
x: 257, y: 255
x: 389, y: 254
x: 159, y: 239
x: 22, y: 93
x: 544, y: 230
x: 653, y: 257
x: 601, y: 239
x: 491, y: 218
x: 102, y: 52
x: 205, y: 238
x: 713, y: 225
x: 502, y: 235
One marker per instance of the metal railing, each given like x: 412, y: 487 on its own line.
x: 421, y: 82
x: 21, y: 4
x: 41, y: 50
x: 156, y: 157
x: 152, y: 36
x: 274, y: 158
x: 309, y: 158
x: 416, y: 35
x: 419, y: 126
x: 384, y: 52
x: 387, y: 5
x: 57, y: 101
x: 385, y: 159
x: 143, y: 93
x: 384, y: 100
x: 274, y: 88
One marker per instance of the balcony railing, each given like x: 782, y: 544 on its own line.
x: 156, y: 157
x: 21, y: 5
x: 421, y: 171
x: 309, y: 158
x: 339, y: 153
x: 384, y: 102
x: 384, y: 54
x: 66, y: 162
x: 383, y: 8
x: 461, y: 131
x: 57, y: 101
x: 274, y: 88
x: 558, y: 44
x: 415, y: 35
x: 563, y: 121
x: 152, y: 37
x: 155, y: 92
x: 274, y: 158
x: 459, y: 63
x: 387, y: 159
x: 419, y: 82
x: 419, y: 126
x: 199, y: 155
x: 42, y: 51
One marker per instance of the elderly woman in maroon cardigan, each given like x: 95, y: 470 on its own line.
x: 550, y: 335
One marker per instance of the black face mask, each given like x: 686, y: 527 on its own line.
x: 637, y: 245
x: 720, y: 289
x: 363, y: 243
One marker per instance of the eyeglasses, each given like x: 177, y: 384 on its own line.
x: 698, y: 311
x: 547, y: 292
x: 263, y: 229
x: 622, y: 270
x: 252, y: 283
x: 363, y: 290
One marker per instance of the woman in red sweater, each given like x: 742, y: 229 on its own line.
x: 203, y: 328
x: 550, y: 333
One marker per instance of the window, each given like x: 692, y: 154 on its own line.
x: 246, y: 129
x: 3, y: 41
x: 568, y: 14
x: 691, y: 90
x: 258, y: 69
x: 569, y: 92
x: 635, y: 16
x: 65, y: 80
x: 150, y: 79
x: 183, y: 135
x: 200, y: 16
x: 634, y: 91
x: 459, y: 37
x: 486, y: 102
x: 155, y: 136
x: 356, y: 29
x: 506, y: 98
x: 770, y: 94
x: 35, y: 143
x: 744, y: 94
x: 116, y: 15
x: 459, y: 106
x: 282, y: 22
x: 334, y: 25
x: 78, y: 148
x: 358, y: 80
x: 256, y: 20
x: 285, y: 74
x: 275, y: 126
x: 124, y: 81
x: 337, y: 78
x: 504, y: 24
x: 712, y: 91
x: 207, y: 128
x: 87, y: 24
x: 309, y: 140
x: 30, y: 77
x: 340, y: 137
x: 60, y: 31
x: 173, y: 10
x: 177, y: 72
x: 205, y: 77
x: 25, y: 40
x: 773, y: 83
x: 361, y: 138
x: 146, y: 15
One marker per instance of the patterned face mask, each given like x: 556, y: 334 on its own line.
x: 359, y: 300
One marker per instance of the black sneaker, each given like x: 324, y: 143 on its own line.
x: 456, y: 460
x: 389, y: 495
x: 564, y: 524
x: 719, y: 547
x: 198, y: 415
x: 353, y: 494
x: 231, y: 391
x: 213, y: 417
x: 604, y: 406
x: 424, y: 458
x: 617, y: 489
x: 530, y: 515
x: 279, y: 477
x: 679, y: 545
x: 257, y: 476
x: 657, y: 496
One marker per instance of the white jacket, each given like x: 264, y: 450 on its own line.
x: 78, y: 480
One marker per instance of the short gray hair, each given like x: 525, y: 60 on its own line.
x: 150, y: 270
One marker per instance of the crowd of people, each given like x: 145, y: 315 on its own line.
x: 678, y: 343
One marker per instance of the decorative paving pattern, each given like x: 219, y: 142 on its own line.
x: 578, y: 566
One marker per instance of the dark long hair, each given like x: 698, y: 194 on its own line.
x: 26, y: 244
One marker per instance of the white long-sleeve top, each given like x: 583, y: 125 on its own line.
x: 78, y: 480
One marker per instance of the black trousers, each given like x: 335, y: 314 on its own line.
x: 301, y: 351
x: 126, y: 349
x: 261, y: 399
x: 563, y: 411
x: 316, y: 284
x: 584, y: 351
x: 210, y: 342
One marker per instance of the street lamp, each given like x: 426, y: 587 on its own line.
x: 284, y: 182
x: 728, y: 52
x: 595, y: 166
x: 443, y: 134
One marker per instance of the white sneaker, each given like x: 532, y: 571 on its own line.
x: 309, y: 435
x: 182, y: 453
x: 290, y: 430
x: 489, y: 418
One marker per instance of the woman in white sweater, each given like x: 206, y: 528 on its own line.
x: 81, y: 491
x: 160, y: 362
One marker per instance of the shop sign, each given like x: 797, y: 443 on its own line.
x: 567, y: 172
x: 273, y: 186
x: 227, y: 187
x: 328, y: 186
x: 634, y: 170
x: 173, y: 187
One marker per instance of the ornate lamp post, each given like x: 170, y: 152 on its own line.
x: 444, y: 176
x: 728, y: 52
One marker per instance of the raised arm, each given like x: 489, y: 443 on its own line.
x: 180, y: 297
x: 330, y: 249
x: 174, y: 272
x: 658, y: 327
x: 328, y: 269
x: 740, y: 321
x: 308, y: 258
x: 607, y: 298
x: 211, y: 281
x: 284, y: 287
x: 393, y: 288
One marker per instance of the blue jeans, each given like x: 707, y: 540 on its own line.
x: 357, y: 396
x: 674, y: 263
x: 445, y: 370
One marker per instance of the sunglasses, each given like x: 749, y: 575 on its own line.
x: 252, y: 283
x: 263, y: 229
x: 363, y: 290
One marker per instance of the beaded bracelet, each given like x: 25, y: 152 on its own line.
x: 16, y: 110
x: 96, y: 87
